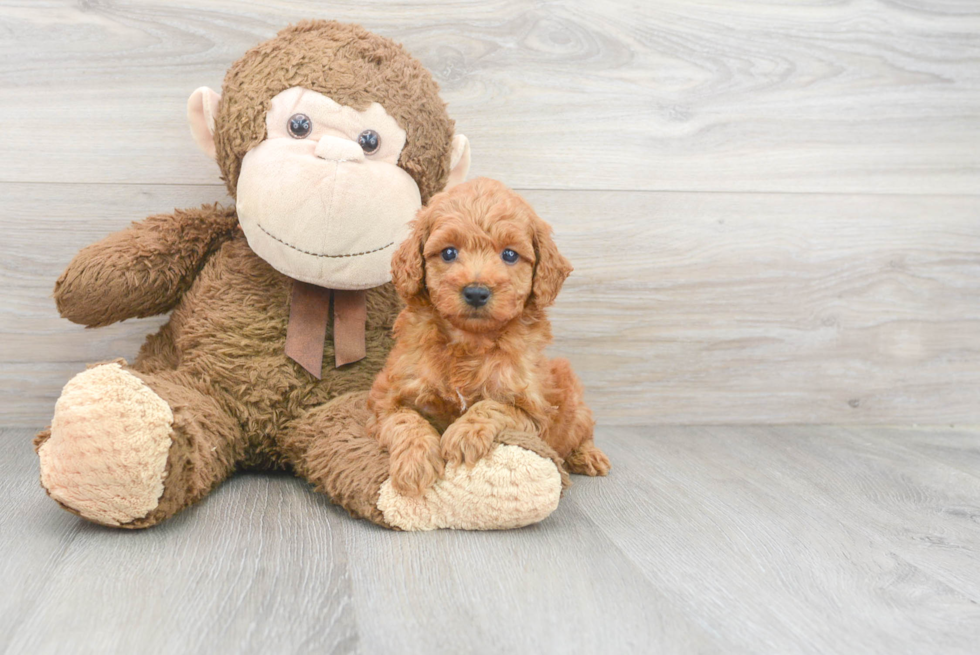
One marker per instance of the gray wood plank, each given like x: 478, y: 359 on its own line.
x: 265, y: 565
x: 671, y: 95
x: 886, y: 483
x: 259, y: 567
x: 34, y: 541
x: 793, y: 550
x: 703, y: 539
x: 683, y: 308
x: 556, y: 587
x: 958, y: 447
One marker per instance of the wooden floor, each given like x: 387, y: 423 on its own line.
x: 704, y: 539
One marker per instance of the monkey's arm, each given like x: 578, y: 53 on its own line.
x: 142, y: 270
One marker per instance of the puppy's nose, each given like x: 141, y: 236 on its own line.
x: 476, y: 295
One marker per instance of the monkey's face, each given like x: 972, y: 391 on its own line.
x: 326, y: 174
x: 322, y: 198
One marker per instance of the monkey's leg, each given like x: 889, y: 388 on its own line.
x: 518, y: 483
x: 331, y: 449
x: 129, y: 450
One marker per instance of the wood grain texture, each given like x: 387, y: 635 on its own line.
x: 673, y: 95
x: 703, y: 539
x: 558, y: 587
x: 959, y: 449
x: 799, y: 540
x: 279, y: 581
x: 683, y: 308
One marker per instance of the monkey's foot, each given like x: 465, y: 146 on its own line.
x: 106, y: 455
x: 511, y: 487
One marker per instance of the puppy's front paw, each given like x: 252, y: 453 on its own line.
x: 415, y: 468
x: 467, y: 440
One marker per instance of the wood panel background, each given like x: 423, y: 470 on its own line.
x: 773, y: 208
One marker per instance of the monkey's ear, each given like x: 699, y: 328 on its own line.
x: 202, y: 107
x: 550, y: 269
x: 459, y: 163
x: 408, y: 263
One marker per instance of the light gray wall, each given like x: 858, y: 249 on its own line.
x: 773, y: 210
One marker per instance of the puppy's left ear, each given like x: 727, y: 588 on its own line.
x: 408, y: 264
x: 550, y: 269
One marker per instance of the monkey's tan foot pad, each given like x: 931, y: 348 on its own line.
x: 106, y: 458
x: 509, y: 488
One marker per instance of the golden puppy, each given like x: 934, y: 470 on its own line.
x: 476, y: 273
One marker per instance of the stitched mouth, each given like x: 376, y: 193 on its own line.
x: 325, y: 255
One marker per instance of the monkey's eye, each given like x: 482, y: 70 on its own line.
x: 509, y: 256
x: 369, y: 140
x: 299, y: 126
x: 449, y: 254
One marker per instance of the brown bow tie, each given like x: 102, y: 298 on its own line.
x: 309, y: 310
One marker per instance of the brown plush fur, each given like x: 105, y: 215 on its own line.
x: 353, y: 67
x: 460, y: 375
x: 237, y: 400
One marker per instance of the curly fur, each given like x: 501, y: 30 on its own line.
x: 460, y: 375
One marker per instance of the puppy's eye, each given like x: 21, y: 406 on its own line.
x: 369, y: 140
x: 299, y: 126
x: 449, y: 254
x: 509, y: 256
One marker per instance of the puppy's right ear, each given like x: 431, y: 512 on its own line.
x: 408, y: 264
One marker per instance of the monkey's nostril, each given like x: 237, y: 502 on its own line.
x: 476, y: 295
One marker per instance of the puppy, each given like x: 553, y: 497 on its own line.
x: 476, y: 274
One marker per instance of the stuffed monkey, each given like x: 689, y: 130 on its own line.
x: 329, y: 138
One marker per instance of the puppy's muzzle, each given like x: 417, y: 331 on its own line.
x: 476, y: 295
